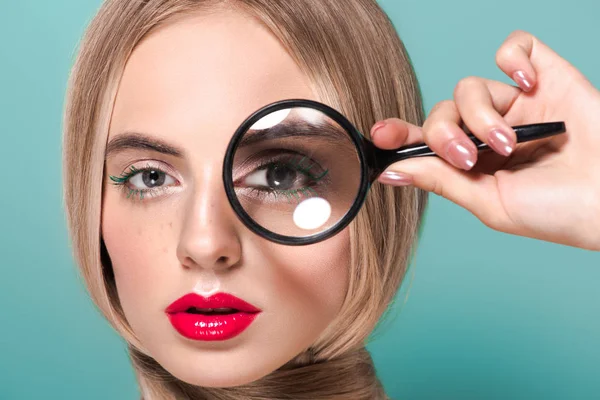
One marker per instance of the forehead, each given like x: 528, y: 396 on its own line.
x: 203, y: 75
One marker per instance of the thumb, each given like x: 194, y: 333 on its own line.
x: 477, y: 192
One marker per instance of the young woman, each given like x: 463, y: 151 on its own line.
x: 157, y: 91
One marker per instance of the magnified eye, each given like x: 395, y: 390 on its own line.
x: 296, y: 173
x: 150, y: 178
x: 283, y: 172
x: 277, y: 177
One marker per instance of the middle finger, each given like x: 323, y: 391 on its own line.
x: 480, y: 103
x: 443, y: 135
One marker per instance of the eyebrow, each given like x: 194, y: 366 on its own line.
x: 140, y: 141
x: 283, y: 130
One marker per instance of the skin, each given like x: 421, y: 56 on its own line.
x: 187, y: 237
x: 546, y: 189
x: 190, y: 84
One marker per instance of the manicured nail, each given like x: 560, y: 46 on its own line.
x: 395, y: 178
x: 522, y: 80
x: 501, y: 142
x: 376, y: 128
x: 461, y: 154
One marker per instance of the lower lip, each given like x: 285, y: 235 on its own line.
x: 211, y: 327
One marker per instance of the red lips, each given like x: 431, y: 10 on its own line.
x: 218, y: 317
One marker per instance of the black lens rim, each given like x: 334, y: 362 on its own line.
x: 357, y: 139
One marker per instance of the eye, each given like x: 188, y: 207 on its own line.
x: 277, y: 177
x: 150, y: 178
x: 281, y: 174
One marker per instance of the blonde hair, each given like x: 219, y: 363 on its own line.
x: 358, y: 65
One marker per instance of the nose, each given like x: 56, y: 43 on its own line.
x: 209, y: 234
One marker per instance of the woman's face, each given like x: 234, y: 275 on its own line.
x: 184, y: 91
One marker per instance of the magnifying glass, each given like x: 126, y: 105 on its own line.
x: 297, y: 172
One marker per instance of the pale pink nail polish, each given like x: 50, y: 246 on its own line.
x: 501, y: 142
x: 395, y: 178
x: 522, y: 80
x: 461, y: 154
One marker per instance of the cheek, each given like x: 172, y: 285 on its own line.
x: 137, y: 248
x: 314, y: 277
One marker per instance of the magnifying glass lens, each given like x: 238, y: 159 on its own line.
x: 296, y: 172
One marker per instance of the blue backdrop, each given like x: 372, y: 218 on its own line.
x: 482, y: 314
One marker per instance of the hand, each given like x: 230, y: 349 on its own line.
x: 547, y: 189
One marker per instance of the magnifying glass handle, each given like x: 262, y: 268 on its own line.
x: 525, y: 133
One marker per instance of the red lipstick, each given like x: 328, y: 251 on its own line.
x: 219, y: 317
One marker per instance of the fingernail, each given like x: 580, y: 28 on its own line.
x: 395, y: 178
x: 501, y: 142
x: 522, y: 80
x: 376, y: 128
x: 461, y: 154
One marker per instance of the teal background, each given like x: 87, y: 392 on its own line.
x: 486, y: 315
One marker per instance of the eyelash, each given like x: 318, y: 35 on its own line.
x: 296, y: 164
x: 123, y: 179
x: 294, y: 160
x: 120, y: 182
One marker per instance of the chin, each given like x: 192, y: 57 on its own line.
x: 219, y: 377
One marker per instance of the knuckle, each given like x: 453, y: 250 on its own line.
x: 444, y: 104
x: 466, y: 84
x: 441, y: 126
x: 436, y: 135
x: 518, y: 33
x: 507, y: 52
x: 516, y: 42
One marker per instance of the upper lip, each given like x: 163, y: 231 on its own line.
x: 218, y: 300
